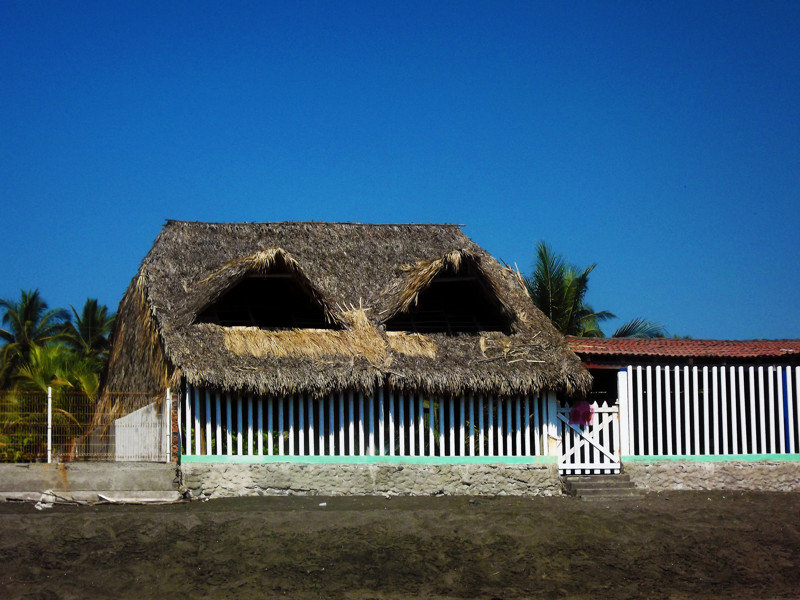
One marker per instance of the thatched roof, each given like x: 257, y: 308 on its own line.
x: 361, y: 276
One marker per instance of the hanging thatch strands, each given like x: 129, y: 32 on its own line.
x: 356, y: 277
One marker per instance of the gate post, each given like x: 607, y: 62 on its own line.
x: 553, y: 439
x: 624, y: 413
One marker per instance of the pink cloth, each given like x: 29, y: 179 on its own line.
x: 581, y: 414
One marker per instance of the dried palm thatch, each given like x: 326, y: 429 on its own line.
x: 262, y: 262
x: 360, y: 275
x: 417, y: 277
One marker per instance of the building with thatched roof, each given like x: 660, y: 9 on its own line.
x: 339, y: 340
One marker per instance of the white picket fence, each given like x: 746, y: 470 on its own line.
x: 709, y: 410
x: 387, y: 423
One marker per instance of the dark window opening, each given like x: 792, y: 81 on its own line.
x: 452, y: 304
x: 274, y: 301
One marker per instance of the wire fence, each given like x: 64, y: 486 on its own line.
x: 58, y: 426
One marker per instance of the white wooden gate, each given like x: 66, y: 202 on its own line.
x: 590, y: 449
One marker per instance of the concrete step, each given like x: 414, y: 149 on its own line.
x: 607, y: 492
x: 589, y: 485
x: 613, y: 498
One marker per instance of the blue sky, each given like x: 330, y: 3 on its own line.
x: 660, y: 140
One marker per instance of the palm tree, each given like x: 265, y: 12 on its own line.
x: 559, y: 290
x: 87, y: 334
x: 26, y: 323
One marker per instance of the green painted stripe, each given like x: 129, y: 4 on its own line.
x: 346, y: 460
x: 713, y: 458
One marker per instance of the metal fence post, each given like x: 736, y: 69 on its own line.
x: 49, y: 425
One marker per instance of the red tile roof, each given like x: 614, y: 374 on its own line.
x: 683, y: 348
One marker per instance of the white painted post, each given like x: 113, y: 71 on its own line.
x: 650, y: 413
x: 401, y: 423
x: 372, y: 425
x: 431, y: 445
x: 687, y: 412
x: 342, y: 447
x: 706, y: 424
x: 629, y: 411
x: 668, y: 406
x: 381, y: 423
x: 552, y: 422
x: 311, y: 434
x: 659, y: 417
x: 742, y: 409
x: 518, y: 426
x: 734, y: 425
x: 218, y: 429
x: 715, y: 384
x: 441, y: 427
x: 481, y: 432
x: 790, y: 412
x: 197, y: 430
x: 239, y: 426
x: 49, y: 424
x: 260, y: 430
x: 208, y: 422
x: 250, y: 425
x: 762, y: 411
x: 351, y: 429
x: 527, y: 426
x: 781, y: 425
x: 462, y: 433
x: 421, y: 424
x: 391, y: 423
x: 291, y: 425
x: 771, y: 388
x: 321, y: 421
x: 361, y: 427
x: 509, y: 428
x: 622, y: 400
x: 332, y: 425
x: 753, y: 418
x: 228, y: 429
x: 452, y: 426
x: 167, y: 426
x: 537, y: 425
x: 301, y: 425
x: 472, y: 424
x: 499, y: 427
x: 270, y: 428
x: 640, y: 407
x: 180, y: 424
x: 412, y: 432
x: 678, y: 428
x: 696, y: 410
x: 281, y: 445
x: 723, y: 406
x: 490, y: 427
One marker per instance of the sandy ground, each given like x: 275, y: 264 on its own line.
x: 678, y: 545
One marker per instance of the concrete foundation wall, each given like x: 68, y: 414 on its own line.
x: 767, y: 476
x: 217, y: 480
x: 85, y: 476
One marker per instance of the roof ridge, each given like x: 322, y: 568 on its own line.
x: 355, y: 223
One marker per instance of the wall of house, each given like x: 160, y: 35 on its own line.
x: 217, y: 480
x: 762, y: 475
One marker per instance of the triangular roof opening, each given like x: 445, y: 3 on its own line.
x: 457, y: 300
x: 272, y: 295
